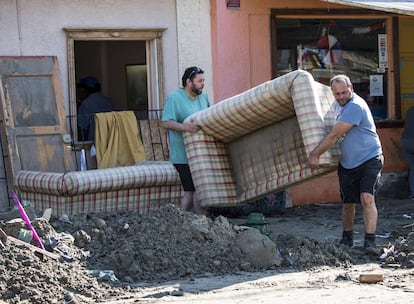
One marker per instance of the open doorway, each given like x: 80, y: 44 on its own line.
x: 126, y: 62
x: 120, y: 67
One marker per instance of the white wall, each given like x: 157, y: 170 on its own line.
x: 35, y: 28
x: 194, y: 38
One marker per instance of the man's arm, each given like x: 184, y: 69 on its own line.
x: 180, y: 127
x: 337, y: 132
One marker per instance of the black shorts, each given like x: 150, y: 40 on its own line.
x: 364, y: 178
x: 185, y: 177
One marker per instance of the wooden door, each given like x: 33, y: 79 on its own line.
x: 33, y: 114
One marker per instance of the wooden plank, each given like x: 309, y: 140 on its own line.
x: 4, y: 238
x: 371, y: 278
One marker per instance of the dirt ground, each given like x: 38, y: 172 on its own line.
x: 170, y: 256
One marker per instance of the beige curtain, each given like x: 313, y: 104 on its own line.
x: 117, y: 140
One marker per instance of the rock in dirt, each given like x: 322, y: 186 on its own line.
x: 259, y: 250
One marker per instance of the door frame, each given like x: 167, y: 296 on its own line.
x: 153, y: 39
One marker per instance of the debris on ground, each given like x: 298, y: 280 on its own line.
x: 103, y: 255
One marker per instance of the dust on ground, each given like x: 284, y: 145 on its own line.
x: 126, y: 257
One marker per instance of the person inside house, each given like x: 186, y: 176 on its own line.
x: 90, y: 101
x: 407, y: 146
x: 178, y: 106
x: 360, y: 163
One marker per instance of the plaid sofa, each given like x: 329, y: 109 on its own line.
x: 258, y: 142
x: 139, y: 188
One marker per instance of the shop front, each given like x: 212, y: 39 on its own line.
x: 370, y: 41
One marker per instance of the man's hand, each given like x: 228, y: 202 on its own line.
x: 191, y: 128
x: 313, y: 160
x: 337, y: 132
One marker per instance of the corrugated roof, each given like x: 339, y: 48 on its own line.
x: 398, y: 7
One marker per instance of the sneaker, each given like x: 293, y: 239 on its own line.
x: 371, y: 248
x: 347, y: 242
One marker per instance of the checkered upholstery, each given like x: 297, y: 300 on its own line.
x: 139, y: 188
x: 258, y: 142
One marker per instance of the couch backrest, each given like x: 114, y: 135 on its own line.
x: 74, y: 183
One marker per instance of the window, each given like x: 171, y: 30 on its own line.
x: 327, y: 46
x: 117, y: 57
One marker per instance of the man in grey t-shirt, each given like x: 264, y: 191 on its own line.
x: 360, y: 163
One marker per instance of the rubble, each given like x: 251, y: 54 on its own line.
x: 105, y: 255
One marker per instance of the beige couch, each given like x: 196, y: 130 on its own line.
x: 258, y: 142
x: 139, y: 188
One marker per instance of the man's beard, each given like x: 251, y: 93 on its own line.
x: 195, y: 90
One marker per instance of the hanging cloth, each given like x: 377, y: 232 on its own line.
x: 117, y: 140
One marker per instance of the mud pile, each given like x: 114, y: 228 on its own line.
x: 103, y: 254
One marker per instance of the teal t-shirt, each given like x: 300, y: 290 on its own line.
x: 178, y: 107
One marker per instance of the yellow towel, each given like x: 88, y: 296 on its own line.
x: 117, y: 140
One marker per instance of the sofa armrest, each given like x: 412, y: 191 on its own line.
x: 315, y: 109
x: 210, y: 165
x: 43, y: 182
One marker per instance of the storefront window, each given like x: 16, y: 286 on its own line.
x: 327, y: 47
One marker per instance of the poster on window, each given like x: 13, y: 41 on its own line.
x: 382, y: 51
x: 376, y: 85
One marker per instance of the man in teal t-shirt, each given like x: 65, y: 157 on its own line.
x: 179, y: 105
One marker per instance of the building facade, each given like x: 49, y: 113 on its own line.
x: 239, y: 44
x: 151, y: 42
x: 254, y: 41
